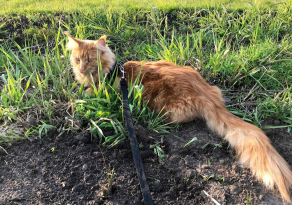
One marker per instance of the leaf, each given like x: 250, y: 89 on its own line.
x: 194, y: 139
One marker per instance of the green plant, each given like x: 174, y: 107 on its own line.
x: 192, y: 140
x: 7, y: 114
x: 44, y: 128
x: 222, y: 179
x: 150, y: 177
x: 207, y: 178
x: 243, y: 51
x: 248, y: 197
x: 157, y: 149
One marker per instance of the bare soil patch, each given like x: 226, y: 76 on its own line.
x: 74, y: 171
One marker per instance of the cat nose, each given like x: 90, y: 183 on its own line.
x: 81, y: 68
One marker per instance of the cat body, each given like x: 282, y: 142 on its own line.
x: 183, y: 95
x: 168, y: 87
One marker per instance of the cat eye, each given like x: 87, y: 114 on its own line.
x: 77, y: 59
x: 89, y: 60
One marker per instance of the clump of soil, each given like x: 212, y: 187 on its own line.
x: 76, y: 169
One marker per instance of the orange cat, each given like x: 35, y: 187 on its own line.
x: 183, y: 91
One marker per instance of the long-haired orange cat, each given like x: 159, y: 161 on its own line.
x: 183, y: 91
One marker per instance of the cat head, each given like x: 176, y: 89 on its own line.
x: 87, y: 53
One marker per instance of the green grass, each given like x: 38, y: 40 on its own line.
x: 52, y: 6
x: 246, y: 52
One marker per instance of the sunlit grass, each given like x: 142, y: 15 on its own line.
x: 247, y: 53
x: 32, y: 6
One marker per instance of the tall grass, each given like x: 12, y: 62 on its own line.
x: 245, y: 52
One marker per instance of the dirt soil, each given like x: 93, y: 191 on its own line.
x: 74, y: 172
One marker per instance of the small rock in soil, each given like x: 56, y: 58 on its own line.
x: 85, y: 167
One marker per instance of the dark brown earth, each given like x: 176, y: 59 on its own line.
x: 75, y: 172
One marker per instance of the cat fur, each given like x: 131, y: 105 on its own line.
x: 184, y: 92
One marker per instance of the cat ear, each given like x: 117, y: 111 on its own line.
x: 101, y: 42
x: 73, y: 42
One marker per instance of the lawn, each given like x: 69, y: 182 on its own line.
x: 242, y: 47
x: 56, y: 6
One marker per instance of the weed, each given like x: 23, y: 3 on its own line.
x: 7, y: 114
x: 207, y: 178
x: 157, y: 149
x: 248, y: 198
x: 205, y: 145
x: 44, y: 128
x: 192, y: 140
x: 222, y: 179
x: 217, y: 145
x: 150, y: 177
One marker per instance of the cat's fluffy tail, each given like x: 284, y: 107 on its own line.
x: 252, y: 146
